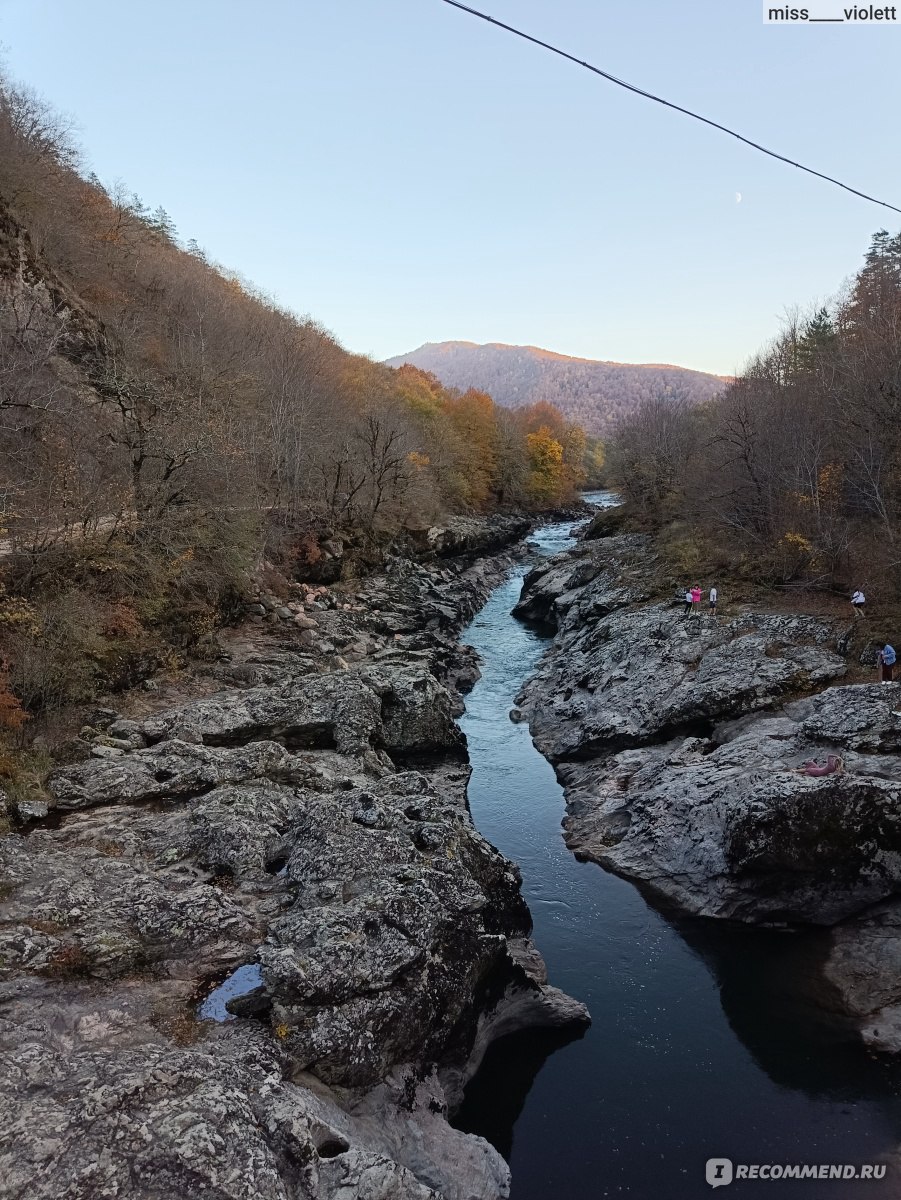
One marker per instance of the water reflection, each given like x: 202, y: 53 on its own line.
x: 240, y: 983
x: 513, y: 1062
x: 776, y: 1000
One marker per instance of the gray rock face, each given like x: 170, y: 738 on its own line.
x: 121, y: 1113
x: 729, y: 827
x: 400, y: 711
x: 279, y: 824
x: 864, y: 966
x: 620, y: 675
x: 168, y: 771
x: 304, y: 711
x: 379, y: 955
x: 721, y: 823
x: 470, y: 535
x: 679, y: 742
x: 861, y: 718
x: 616, y: 573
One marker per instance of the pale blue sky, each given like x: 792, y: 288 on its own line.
x: 405, y: 173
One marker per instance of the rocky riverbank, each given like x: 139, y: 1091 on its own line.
x: 309, y: 824
x: 681, y: 744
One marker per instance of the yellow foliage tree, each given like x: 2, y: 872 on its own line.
x: 547, y: 471
x: 474, y: 420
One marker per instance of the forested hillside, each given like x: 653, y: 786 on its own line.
x: 165, y: 429
x: 594, y: 394
x: 793, y: 474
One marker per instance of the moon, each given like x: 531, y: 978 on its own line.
x: 738, y: 197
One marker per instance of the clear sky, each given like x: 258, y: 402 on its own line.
x: 404, y: 173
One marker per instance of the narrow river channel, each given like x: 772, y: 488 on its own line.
x: 703, y: 1044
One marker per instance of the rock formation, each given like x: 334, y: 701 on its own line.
x: 311, y: 819
x: 681, y: 743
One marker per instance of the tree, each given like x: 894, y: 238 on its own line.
x: 474, y: 419
x: 816, y: 340
x: 547, y: 474
x: 161, y: 223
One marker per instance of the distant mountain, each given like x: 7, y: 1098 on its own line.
x: 593, y: 393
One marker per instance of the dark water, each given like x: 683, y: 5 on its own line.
x: 706, y: 1041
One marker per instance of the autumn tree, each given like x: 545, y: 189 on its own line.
x: 165, y: 427
x: 546, y: 467
x: 473, y: 417
x: 798, y: 462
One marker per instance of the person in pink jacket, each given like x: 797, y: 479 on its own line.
x: 696, y: 600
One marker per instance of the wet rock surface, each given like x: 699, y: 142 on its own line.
x: 682, y: 744
x: 311, y: 819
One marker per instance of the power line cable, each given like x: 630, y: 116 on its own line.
x: 631, y: 87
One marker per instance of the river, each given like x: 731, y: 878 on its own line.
x: 704, y: 1041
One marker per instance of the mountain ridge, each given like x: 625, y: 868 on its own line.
x: 543, y: 352
x: 595, y: 392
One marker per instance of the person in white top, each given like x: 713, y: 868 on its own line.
x: 713, y: 595
x: 858, y: 600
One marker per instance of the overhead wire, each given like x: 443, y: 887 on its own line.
x: 631, y: 87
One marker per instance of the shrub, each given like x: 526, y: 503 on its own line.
x: 56, y: 664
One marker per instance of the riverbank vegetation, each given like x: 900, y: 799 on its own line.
x: 167, y: 430
x: 792, y: 475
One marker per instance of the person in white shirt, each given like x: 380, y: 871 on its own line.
x: 858, y: 600
x: 713, y: 595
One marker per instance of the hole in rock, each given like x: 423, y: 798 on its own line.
x: 220, y: 871
x: 315, y: 736
x: 332, y: 1147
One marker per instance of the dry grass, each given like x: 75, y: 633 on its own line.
x: 180, y: 1027
x: 69, y: 960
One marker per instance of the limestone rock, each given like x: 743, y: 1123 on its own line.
x: 217, y: 1118
x: 864, y: 968
x: 676, y: 768
x: 728, y: 827
x: 168, y: 770
x: 273, y: 825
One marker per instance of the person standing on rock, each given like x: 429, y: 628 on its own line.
x: 858, y: 603
x: 887, y: 661
x: 696, y: 599
x: 689, y: 597
x: 713, y: 596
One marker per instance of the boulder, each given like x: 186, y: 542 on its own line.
x: 622, y: 671
x: 403, y: 710
x: 470, y: 535
x: 392, y: 930
x: 170, y: 770
x: 730, y: 827
x: 864, y: 967
x: 417, y: 715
